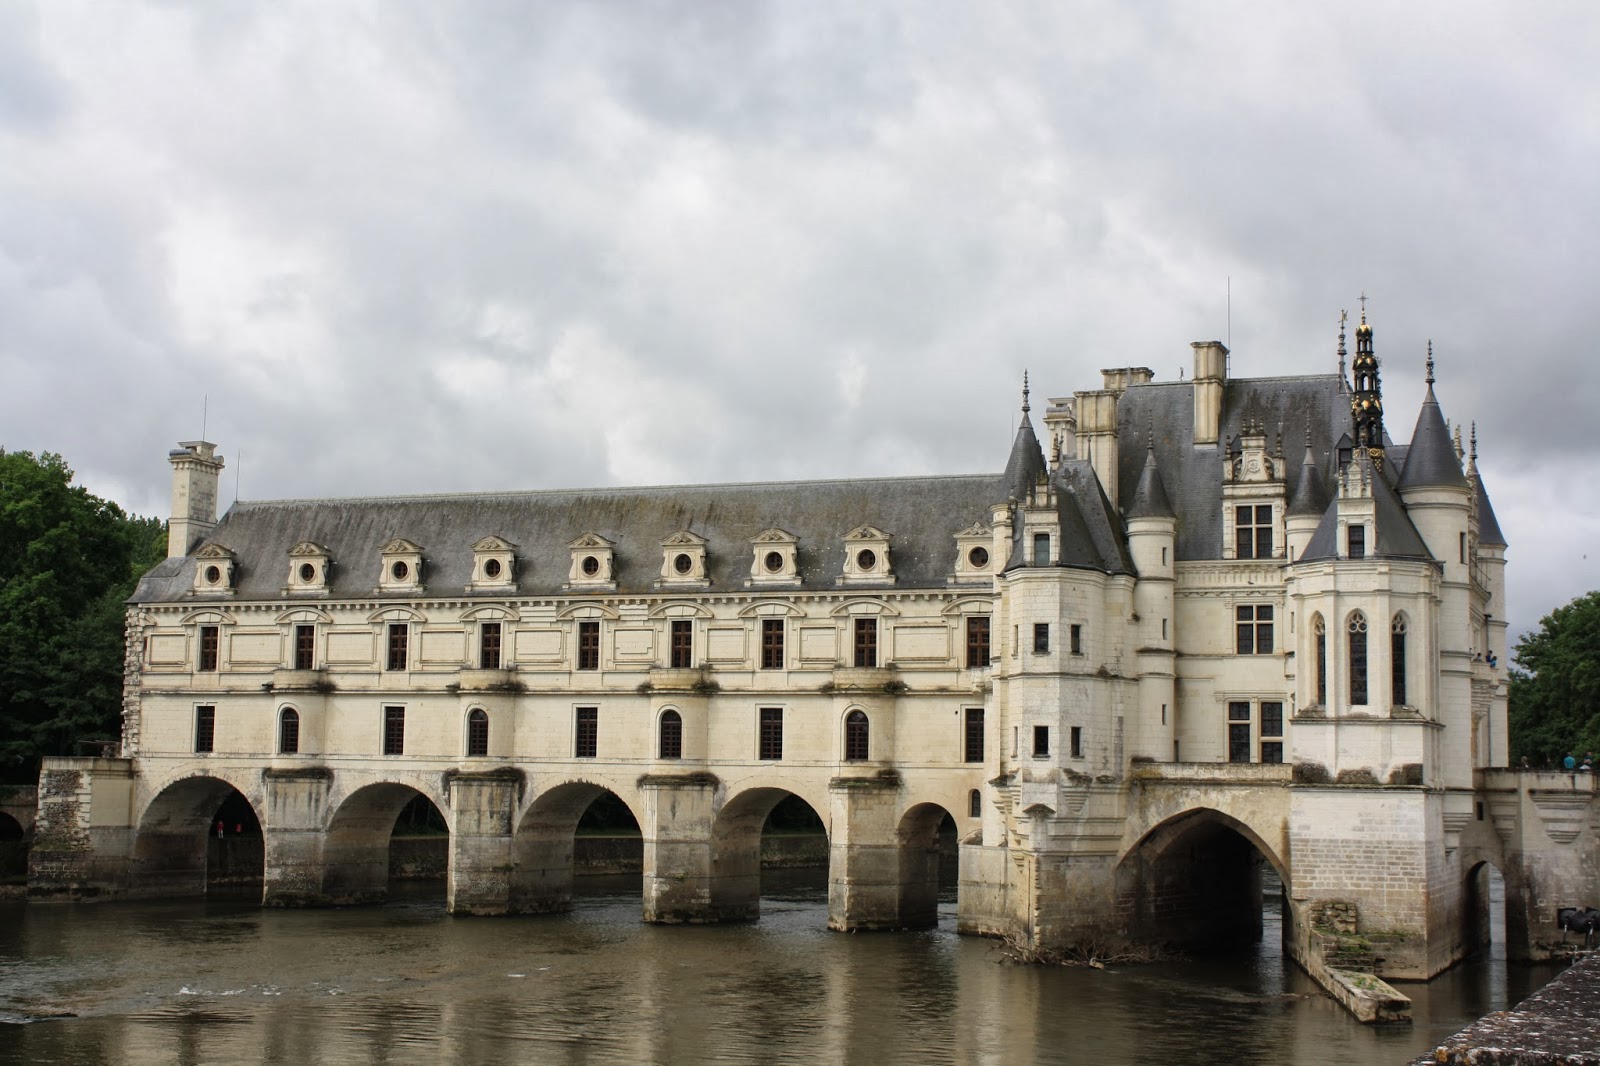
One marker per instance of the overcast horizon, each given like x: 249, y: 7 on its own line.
x: 410, y: 247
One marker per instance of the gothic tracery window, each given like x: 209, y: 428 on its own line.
x: 1397, y: 660
x: 1358, y: 659
x: 1320, y: 629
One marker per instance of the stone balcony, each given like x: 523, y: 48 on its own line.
x: 1213, y: 773
x: 479, y: 680
x: 301, y: 681
x: 869, y: 679
x: 693, y: 679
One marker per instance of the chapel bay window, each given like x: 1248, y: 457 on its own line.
x: 1358, y: 659
x: 1252, y: 532
x: 1397, y: 660
x: 772, y: 643
x: 866, y: 642
x: 1253, y: 628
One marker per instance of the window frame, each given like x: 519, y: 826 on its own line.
x: 1241, y: 727
x: 1041, y: 549
x: 1253, y: 627
x: 865, y: 644
x: 669, y: 727
x: 680, y: 643
x: 586, y: 655
x: 209, y: 641
x: 586, y: 732
x: 1253, y: 525
x: 1041, y: 742
x: 1075, y: 637
x: 394, y: 729
x: 1355, y: 541
x: 491, y: 645
x: 205, y: 728
x: 857, y: 736
x: 978, y: 646
x: 1041, y: 638
x: 1358, y: 661
x: 772, y: 641
x: 1269, y: 738
x: 398, y: 647
x: 288, y: 731
x: 972, y: 736
x: 477, y: 733
x: 1397, y: 660
x: 769, y: 734
x: 304, y: 649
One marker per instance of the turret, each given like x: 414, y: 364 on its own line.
x: 196, y: 469
x: 1434, y: 489
x: 1025, y: 465
x: 1306, y: 506
x: 1152, y: 541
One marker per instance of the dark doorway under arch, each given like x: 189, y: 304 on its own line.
x: 13, y: 850
x: 385, y: 838
x: 1484, y: 911
x: 577, y: 828
x: 766, y: 841
x: 199, y: 836
x: 929, y: 864
x: 1197, y: 882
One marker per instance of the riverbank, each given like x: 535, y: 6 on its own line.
x: 1559, y: 1025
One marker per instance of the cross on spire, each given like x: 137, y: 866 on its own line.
x: 1363, y: 307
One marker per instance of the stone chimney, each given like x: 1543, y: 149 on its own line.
x: 196, y: 469
x: 1210, y: 374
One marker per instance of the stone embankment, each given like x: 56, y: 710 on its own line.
x: 1559, y: 1025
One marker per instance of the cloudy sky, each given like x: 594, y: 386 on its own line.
x: 416, y: 246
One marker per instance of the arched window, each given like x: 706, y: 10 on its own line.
x: 289, y: 732
x: 671, y: 735
x: 1397, y: 660
x: 1319, y: 630
x: 478, y: 731
x: 855, y: 736
x: 1358, y: 659
x: 974, y: 804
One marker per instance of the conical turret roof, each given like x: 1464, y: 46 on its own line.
x: 1309, y: 497
x: 1026, y: 465
x: 1431, y: 460
x: 1150, y: 498
x: 1489, y: 534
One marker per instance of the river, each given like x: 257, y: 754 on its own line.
x: 221, y: 981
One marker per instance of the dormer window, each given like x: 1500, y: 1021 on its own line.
x: 593, y: 558
x: 775, y: 559
x: 683, y: 561
x: 493, y: 565
x: 308, y: 568
x: 1252, y: 532
x: 402, y: 567
x: 972, y: 553
x: 866, y: 559
x: 1356, y: 542
x: 213, y: 572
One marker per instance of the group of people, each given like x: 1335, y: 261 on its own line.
x: 1571, y: 762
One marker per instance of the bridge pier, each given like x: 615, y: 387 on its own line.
x: 83, y: 835
x: 482, y: 866
x: 296, y: 811
x: 678, y: 822
x: 864, y: 875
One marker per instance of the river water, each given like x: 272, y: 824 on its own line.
x: 226, y: 982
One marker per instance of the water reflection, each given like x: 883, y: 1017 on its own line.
x: 221, y: 981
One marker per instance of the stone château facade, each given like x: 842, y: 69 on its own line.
x: 1207, y: 626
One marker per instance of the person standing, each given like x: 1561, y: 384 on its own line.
x: 1570, y: 762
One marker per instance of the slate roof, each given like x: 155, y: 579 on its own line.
x: 1192, y: 474
x: 1150, y: 497
x: 1309, y: 496
x: 922, y: 515
x: 1489, y: 533
x: 1026, y: 464
x: 1091, y: 533
x: 1431, y: 460
x: 1395, y: 537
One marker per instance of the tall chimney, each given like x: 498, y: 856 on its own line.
x: 196, y: 469
x: 1210, y: 374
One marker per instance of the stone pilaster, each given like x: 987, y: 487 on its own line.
x: 295, y: 815
x: 677, y: 847
x: 481, y: 862
x: 864, y: 879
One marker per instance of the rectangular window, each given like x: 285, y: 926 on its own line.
x: 1041, y: 549
x: 1463, y: 537
x: 1077, y: 741
x: 682, y: 643
x: 771, y: 739
x: 1041, y: 638
x: 1041, y: 741
x: 588, y: 645
x: 977, y: 641
x: 489, y: 646
x: 586, y: 732
x: 394, y: 730
x: 1253, y: 629
x: 1252, y: 532
x: 772, y: 644
x: 305, y: 647
x: 972, y: 743
x: 1238, y: 732
x: 208, y: 649
x: 1075, y: 636
x: 205, y: 728
x: 866, y: 642
x: 1356, y: 542
x: 399, y: 638
x: 1272, y: 732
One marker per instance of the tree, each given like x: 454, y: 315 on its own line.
x: 68, y: 560
x: 1555, y: 684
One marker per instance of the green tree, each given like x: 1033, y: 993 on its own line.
x: 1555, y: 684
x: 68, y: 560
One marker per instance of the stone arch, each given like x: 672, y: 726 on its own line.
x: 544, y: 841
x: 1485, y: 905
x: 921, y: 857
x: 10, y: 829
x: 173, y: 842
x: 356, y: 843
x: 1195, y: 878
x: 736, y: 846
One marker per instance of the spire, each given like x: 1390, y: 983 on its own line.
x: 1366, y: 402
x: 1432, y: 460
x: 1489, y: 534
x: 1309, y: 497
x: 1026, y: 408
x: 1150, y: 497
x: 1026, y: 464
x: 1343, y: 316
